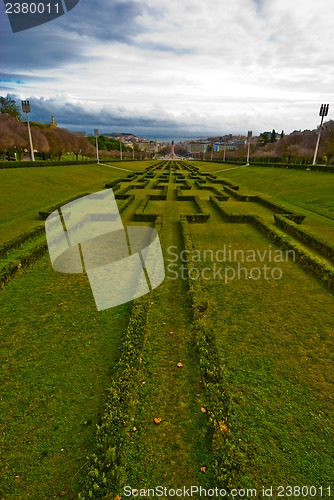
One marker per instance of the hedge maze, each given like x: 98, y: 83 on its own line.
x: 185, y: 192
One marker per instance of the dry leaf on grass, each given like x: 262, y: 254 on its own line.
x: 203, y: 468
x: 203, y: 410
x: 180, y: 365
x: 157, y: 420
x: 223, y: 427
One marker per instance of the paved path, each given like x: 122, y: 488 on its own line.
x: 232, y: 168
x: 112, y: 166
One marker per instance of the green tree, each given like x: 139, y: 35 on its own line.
x: 8, y: 106
x: 273, y: 136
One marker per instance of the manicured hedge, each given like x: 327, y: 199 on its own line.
x: 14, y: 244
x: 28, y: 164
x: 308, y: 239
x: 128, y: 202
x: 107, y: 474
x: 228, y: 215
x: 44, y: 214
x: 19, y: 264
x: 228, y: 457
x: 225, y: 182
x: 239, y: 196
x: 306, y: 258
x: 140, y: 215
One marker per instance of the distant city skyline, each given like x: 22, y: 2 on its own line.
x: 175, y: 69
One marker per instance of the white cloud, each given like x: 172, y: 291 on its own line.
x: 219, y: 65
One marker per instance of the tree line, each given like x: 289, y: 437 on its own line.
x: 50, y: 143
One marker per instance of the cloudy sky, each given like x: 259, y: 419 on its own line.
x: 175, y: 67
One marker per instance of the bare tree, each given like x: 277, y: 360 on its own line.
x: 82, y: 146
x: 60, y: 142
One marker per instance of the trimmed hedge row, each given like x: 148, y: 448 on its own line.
x: 28, y: 164
x: 26, y: 259
x: 217, y: 192
x: 44, y: 214
x: 308, y: 239
x: 128, y: 202
x: 161, y: 196
x: 140, y: 215
x: 227, y: 454
x: 115, y: 184
x: 225, y: 182
x: 106, y: 470
x: 239, y: 196
x: 107, y: 473
x: 228, y: 215
x: 202, y: 216
x: 14, y: 244
x: 306, y: 258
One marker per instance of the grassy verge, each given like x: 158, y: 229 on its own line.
x: 24, y: 192
x: 57, y: 356
x: 276, y: 344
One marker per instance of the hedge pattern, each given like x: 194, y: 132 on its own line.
x: 107, y: 473
x: 228, y: 457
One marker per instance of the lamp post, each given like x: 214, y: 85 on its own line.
x: 96, y: 133
x: 323, y: 112
x: 26, y: 110
x: 120, y: 148
x: 248, y: 148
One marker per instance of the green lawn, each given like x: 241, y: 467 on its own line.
x: 25, y: 191
x: 57, y: 355
x: 309, y: 190
x: 275, y: 336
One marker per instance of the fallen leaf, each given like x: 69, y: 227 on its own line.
x: 118, y: 498
x: 157, y: 420
x: 223, y: 427
x: 203, y: 410
x: 171, y: 333
x: 180, y: 365
x: 203, y: 468
x: 134, y: 429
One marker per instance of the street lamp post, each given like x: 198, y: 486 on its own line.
x: 96, y: 133
x: 26, y: 110
x: 323, y: 112
x: 120, y: 148
x: 248, y: 148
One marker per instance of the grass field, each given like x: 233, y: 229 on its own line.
x: 273, y: 332
x: 26, y: 191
